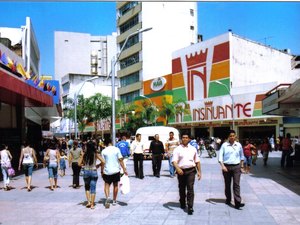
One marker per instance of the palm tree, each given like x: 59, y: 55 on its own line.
x: 167, y: 110
x: 181, y: 108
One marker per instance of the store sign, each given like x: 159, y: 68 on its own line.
x: 220, y: 108
x: 158, y: 84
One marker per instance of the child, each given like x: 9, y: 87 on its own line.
x: 62, y: 163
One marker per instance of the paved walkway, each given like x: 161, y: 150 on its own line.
x: 270, y: 193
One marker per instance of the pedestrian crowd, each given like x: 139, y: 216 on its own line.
x: 85, y: 158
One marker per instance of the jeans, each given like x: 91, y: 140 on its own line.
x: 5, y: 176
x: 171, y: 167
x: 28, y: 168
x: 90, y: 178
x: 52, y: 171
x: 76, y: 172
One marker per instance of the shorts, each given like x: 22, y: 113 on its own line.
x: 28, y: 168
x: 114, y: 178
x: 247, y: 160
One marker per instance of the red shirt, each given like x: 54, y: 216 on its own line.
x: 247, y: 150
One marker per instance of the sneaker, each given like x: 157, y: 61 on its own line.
x: 107, y: 203
x: 114, y: 202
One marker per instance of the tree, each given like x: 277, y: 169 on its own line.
x: 149, y: 112
x: 167, y: 110
x: 181, y: 108
x: 99, y: 108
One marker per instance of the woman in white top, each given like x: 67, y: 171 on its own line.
x: 27, y: 160
x: 54, y: 157
x: 5, y: 164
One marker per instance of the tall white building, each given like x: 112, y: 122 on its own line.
x: 149, y: 55
x: 82, y: 53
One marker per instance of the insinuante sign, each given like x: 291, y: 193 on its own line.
x: 220, y: 108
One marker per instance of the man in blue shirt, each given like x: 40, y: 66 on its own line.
x: 124, y: 147
x: 231, y: 158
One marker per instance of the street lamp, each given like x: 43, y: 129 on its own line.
x: 156, y: 109
x: 75, y: 102
x: 232, y: 102
x: 112, y: 73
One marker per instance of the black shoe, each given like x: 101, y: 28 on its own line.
x: 182, y: 206
x: 239, y: 205
x: 228, y: 202
x: 190, y: 211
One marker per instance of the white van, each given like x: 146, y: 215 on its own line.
x: 147, y: 135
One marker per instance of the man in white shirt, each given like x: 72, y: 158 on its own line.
x: 137, y: 150
x: 111, y: 170
x: 187, y: 164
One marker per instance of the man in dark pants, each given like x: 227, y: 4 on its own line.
x: 137, y: 150
x: 231, y: 158
x: 157, y: 149
x: 187, y: 164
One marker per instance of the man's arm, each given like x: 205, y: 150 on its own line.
x: 177, y: 168
x: 198, y: 166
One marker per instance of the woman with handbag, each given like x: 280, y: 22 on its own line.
x: 27, y: 160
x: 53, y: 157
x: 6, y: 158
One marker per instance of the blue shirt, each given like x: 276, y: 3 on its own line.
x: 231, y: 154
x: 124, y: 148
x: 194, y: 144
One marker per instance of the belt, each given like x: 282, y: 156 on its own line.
x: 231, y: 164
x: 186, y: 169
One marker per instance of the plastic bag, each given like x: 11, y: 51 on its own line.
x: 125, y: 184
x: 11, y: 172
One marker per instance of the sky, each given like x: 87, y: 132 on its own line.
x: 271, y: 23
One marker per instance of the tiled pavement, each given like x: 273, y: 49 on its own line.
x: 270, y: 193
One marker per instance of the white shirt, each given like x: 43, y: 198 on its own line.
x: 111, y: 155
x: 5, y: 160
x: 185, y: 156
x: 137, y: 147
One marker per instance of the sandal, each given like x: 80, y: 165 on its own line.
x: 28, y: 189
x: 88, y: 205
x: 92, y: 206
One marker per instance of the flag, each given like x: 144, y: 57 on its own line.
x: 41, y: 84
x: 21, y: 71
x: 4, y: 59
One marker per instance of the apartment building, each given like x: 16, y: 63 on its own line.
x: 148, y: 55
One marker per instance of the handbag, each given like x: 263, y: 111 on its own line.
x: 46, y: 159
x: 11, y: 172
x: 124, y: 184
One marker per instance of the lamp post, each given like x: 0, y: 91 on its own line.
x: 152, y: 105
x: 112, y: 73
x: 232, y: 102
x: 75, y: 103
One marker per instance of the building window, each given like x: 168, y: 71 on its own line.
x: 192, y: 27
x: 127, y: 7
x: 66, y: 87
x: 129, y: 61
x: 130, y: 79
x: 131, y: 41
x: 129, y: 97
x: 130, y: 23
x: 192, y: 12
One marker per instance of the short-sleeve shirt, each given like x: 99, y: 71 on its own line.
x: 231, y: 153
x: 137, y: 147
x: 171, y: 145
x: 111, y: 155
x: 185, y: 156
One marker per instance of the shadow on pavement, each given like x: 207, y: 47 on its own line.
x: 215, y: 200
x: 102, y: 201
x: 171, y: 205
x: 287, y: 177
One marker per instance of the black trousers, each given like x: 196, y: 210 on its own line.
x: 186, y: 187
x: 76, y: 171
x: 138, y: 160
x: 234, y: 173
x: 156, y: 164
